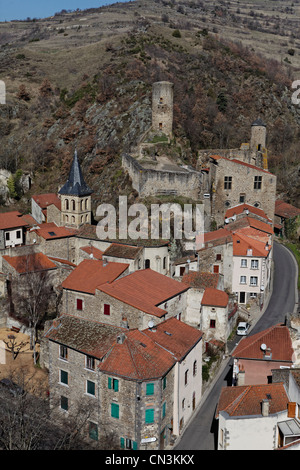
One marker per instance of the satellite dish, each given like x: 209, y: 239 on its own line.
x: 263, y: 346
x: 151, y: 324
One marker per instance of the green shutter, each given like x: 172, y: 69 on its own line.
x: 150, y: 389
x: 116, y: 385
x: 134, y: 445
x: 164, y: 410
x: 109, y: 382
x: 90, y: 387
x: 149, y: 415
x: 114, y: 410
x: 122, y: 442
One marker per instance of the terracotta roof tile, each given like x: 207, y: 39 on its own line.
x: 51, y: 231
x: 250, y: 222
x: 45, y: 200
x: 215, y: 298
x: 117, y: 250
x: 239, y: 162
x: 201, y: 280
x: 242, y: 243
x: 91, y: 250
x: 277, y: 338
x: 247, y: 400
x: 145, y: 290
x: 12, y: 219
x: 91, y: 273
x: 283, y: 209
x: 242, y: 208
x: 32, y: 262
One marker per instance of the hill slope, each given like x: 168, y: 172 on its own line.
x: 84, y: 78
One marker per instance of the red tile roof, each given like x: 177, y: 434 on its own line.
x: 138, y: 358
x: 201, y: 279
x: 51, y: 231
x: 220, y: 234
x: 12, y: 219
x: 283, y: 209
x: 118, y: 250
x: 277, y: 338
x: 32, y: 262
x: 239, y: 162
x: 45, y: 200
x: 175, y: 336
x: 242, y: 243
x: 97, y: 254
x: 250, y: 222
x: 144, y: 289
x: 242, y: 208
x: 91, y: 274
x: 215, y: 298
x: 149, y: 354
x: 246, y: 400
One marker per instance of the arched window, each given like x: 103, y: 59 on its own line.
x: 86, y: 203
x: 81, y: 204
x: 66, y: 218
x: 67, y: 204
x: 73, y: 219
x: 73, y: 205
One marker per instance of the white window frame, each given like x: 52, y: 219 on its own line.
x: 243, y: 281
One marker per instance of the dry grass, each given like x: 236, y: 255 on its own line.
x: 22, y: 370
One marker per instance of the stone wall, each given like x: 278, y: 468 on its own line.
x: 162, y: 107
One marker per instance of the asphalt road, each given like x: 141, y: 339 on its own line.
x: 201, y: 433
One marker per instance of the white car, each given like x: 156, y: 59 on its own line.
x: 243, y: 328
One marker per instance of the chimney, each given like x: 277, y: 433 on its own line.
x: 121, y: 338
x: 265, y: 407
x: 241, y: 376
x: 105, y: 262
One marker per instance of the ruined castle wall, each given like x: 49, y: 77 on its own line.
x: 150, y: 182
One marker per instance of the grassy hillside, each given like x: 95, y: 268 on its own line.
x: 84, y: 78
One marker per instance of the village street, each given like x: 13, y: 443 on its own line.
x: 201, y: 433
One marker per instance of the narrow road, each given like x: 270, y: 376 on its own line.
x: 201, y: 433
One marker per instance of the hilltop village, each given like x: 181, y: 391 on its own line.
x: 135, y: 325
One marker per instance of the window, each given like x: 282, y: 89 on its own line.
x: 164, y: 410
x: 150, y: 389
x: 63, y: 352
x: 64, y: 403
x: 79, y: 304
x: 195, y: 368
x: 7, y: 236
x: 90, y: 362
x: 242, y: 198
x: 93, y: 431
x: 64, y: 377
x: 243, y: 263
x: 257, y: 182
x: 149, y: 415
x: 243, y: 280
x: 227, y: 182
x: 186, y: 377
x: 128, y: 444
x: 253, y: 281
x: 90, y: 388
x: 113, y: 384
x: 106, y: 309
x: 73, y: 205
x: 67, y: 204
x: 183, y: 403
x: 164, y: 262
x: 164, y: 383
x: 212, y: 324
x: 18, y: 234
x: 114, y: 410
x: 147, y: 263
x: 218, y: 257
x: 254, y: 264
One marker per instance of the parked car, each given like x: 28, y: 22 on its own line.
x: 12, y: 387
x: 242, y: 328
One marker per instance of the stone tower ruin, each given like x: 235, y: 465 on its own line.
x: 162, y: 107
x: 258, y: 136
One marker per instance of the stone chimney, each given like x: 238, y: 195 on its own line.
x: 241, y: 376
x: 265, y: 407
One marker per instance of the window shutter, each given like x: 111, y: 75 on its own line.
x: 116, y: 385
x: 114, y: 410
x: 106, y: 309
x: 149, y: 415
x: 150, y: 389
x: 291, y: 409
x: 134, y: 445
x: 122, y: 442
x: 109, y: 382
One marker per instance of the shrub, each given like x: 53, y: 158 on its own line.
x: 176, y: 33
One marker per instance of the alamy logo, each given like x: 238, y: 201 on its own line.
x: 135, y: 222
x: 295, y: 99
x: 2, y: 92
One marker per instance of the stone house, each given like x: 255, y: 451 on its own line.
x: 41, y: 205
x: 284, y: 214
x: 12, y: 229
x: 106, y: 292
x: 257, y: 355
x: 251, y: 267
x: 256, y: 417
x: 141, y: 386
x: 235, y: 182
